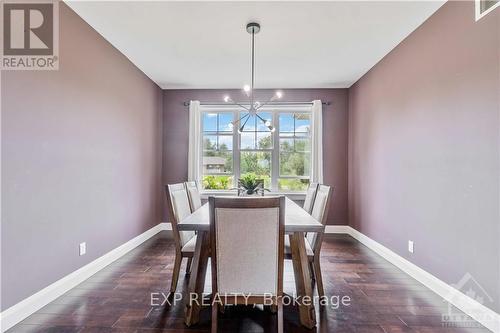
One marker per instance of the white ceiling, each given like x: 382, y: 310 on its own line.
x: 301, y: 44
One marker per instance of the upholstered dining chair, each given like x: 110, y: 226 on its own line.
x: 193, y: 195
x: 185, y: 241
x: 247, y: 248
x: 310, y: 196
x: 313, y: 240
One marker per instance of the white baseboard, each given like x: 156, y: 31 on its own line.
x: 337, y: 229
x: 487, y: 317
x: 26, y: 307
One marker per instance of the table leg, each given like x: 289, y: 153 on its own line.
x: 302, y: 280
x: 197, y: 279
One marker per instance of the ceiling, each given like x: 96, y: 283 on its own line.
x: 195, y: 45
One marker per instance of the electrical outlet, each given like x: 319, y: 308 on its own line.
x: 83, y: 248
x: 410, y: 246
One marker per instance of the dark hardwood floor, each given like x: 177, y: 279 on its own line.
x: 118, y: 298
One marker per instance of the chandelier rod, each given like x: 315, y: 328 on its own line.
x: 243, y: 126
x: 253, y: 66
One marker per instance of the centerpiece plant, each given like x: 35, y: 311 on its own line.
x: 250, y: 184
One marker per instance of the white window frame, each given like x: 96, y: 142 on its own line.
x: 479, y: 13
x: 278, y: 137
x: 210, y: 109
x: 275, y: 150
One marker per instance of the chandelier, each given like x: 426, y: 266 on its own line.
x: 253, y: 105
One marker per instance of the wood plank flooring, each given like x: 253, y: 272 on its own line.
x: 118, y: 298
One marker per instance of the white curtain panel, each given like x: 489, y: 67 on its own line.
x: 194, y: 141
x: 317, y: 142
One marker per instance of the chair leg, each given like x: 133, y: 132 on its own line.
x: 319, y: 278
x: 188, y: 266
x: 214, y: 317
x: 175, y: 273
x: 280, y: 316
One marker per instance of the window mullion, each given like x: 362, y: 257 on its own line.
x: 275, y: 153
x: 255, y: 144
x: 236, y: 151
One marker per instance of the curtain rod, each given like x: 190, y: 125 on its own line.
x: 271, y: 103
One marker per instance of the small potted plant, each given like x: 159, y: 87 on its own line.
x: 249, y: 184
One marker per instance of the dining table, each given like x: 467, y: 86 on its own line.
x: 298, y: 222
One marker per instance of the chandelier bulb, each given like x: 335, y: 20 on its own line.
x: 253, y: 106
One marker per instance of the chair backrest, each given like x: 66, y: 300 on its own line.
x: 178, y: 204
x: 247, y: 244
x: 193, y: 195
x: 320, y: 213
x: 310, y: 195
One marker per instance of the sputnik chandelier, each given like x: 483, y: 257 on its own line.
x: 253, y: 105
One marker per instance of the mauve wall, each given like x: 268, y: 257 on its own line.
x: 81, y: 160
x: 424, y: 148
x: 175, y: 136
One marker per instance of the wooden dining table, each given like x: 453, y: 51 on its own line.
x: 297, y: 223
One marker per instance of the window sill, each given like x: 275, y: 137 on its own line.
x: 291, y: 195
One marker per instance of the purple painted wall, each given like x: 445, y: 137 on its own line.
x: 175, y: 136
x: 81, y: 160
x: 424, y: 148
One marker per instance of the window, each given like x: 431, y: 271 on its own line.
x: 281, y: 158
x: 484, y: 7
x: 295, y: 151
x: 217, y: 150
x: 256, y: 148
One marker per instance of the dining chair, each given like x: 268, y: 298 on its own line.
x: 310, y: 196
x: 247, y: 251
x: 313, y: 239
x: 193, y: 195
x: 185, y: 241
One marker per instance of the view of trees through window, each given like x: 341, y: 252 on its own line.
x: 295, y: 151
x: 254, y: 149
x: 217, y: 151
